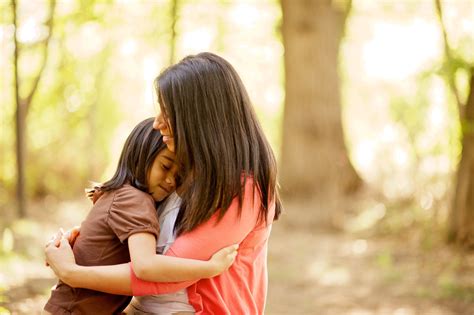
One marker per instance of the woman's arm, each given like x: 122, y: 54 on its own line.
x: 111, y: 279
x: 115, y: 279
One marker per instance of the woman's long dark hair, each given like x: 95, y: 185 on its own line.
x: 218, y: 138
x: 138, y: 154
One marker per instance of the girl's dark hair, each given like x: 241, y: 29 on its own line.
x: 218, y: 139
x: 138, y: 154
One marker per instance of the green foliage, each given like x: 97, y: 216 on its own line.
x: 74, y: 109
x: 83, y: 92
x: 412, y: 112
x: 384, y: 260
x: 271, y: 123
x: 449, y: 284
x: 7, y: 241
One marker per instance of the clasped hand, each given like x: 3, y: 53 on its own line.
x: 58, y: 252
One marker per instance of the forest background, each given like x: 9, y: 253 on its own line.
x: 368, y: 105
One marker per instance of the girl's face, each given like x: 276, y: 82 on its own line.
x: 162, y: 175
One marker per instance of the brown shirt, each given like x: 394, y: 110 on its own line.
x: 103, y: 241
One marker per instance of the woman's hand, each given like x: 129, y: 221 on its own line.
x: 60, y: 258
x: 72, y: 234
x: 223, y: 259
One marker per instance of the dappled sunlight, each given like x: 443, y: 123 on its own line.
x: 151, y: 68
x: 335, y: 277
x: 245, y: 15
x: 32, y: 31
x: 198, y: 40
x: 384, y: 311
x: 393, y: 147
x: 25, y: 281
x: 367, y: 218
x: 399, y: 49
x: 359, y: 247
x: 327, y: 275
x: 91, y: 33
x: 128, y: 47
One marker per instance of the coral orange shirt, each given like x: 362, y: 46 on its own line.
x: 242, y: 289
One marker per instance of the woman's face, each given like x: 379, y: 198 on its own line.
x: 162, y: 175
x: 162, y: 124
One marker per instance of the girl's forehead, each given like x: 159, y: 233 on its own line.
x: 167, y: 154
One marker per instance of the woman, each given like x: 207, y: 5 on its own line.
x: 229, y: 192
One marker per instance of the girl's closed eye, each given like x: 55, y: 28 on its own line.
x: 157, y: 178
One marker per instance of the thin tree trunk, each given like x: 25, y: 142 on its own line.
x: 174, y: 19
x: 23, y: 105
x: 20, y: 115
x: 461, y: 215
x: 461, y: 224
x: 314, y: 162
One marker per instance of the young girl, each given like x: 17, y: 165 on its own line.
x: 123, y: 219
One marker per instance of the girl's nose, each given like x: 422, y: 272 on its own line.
x: 170, y: 180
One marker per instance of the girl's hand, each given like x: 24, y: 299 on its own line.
x: 89, y: 193
x: 93, y: 194
x: 60, y: 259
x: 223, y: 259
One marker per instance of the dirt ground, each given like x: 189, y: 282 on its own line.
x: 311, y: 271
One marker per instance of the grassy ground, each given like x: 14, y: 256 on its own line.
x: 311, y: 271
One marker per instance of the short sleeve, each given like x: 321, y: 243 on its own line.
x: 132, y: 211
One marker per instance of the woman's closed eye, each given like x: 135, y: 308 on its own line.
x: 166, y: 167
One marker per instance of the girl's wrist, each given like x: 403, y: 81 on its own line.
x: 213, y: 269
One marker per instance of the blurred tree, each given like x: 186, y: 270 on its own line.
x: 23, y: 102
x: 174, y: 20
x: 314, y: 160
x: 461, y: 216
x: 461, y: 225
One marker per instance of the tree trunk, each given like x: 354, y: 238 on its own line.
x: 461, y: 224
x: 20, y: 118
x: 23, y: 104
x: 314, y: 161
x: 174, y: 20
